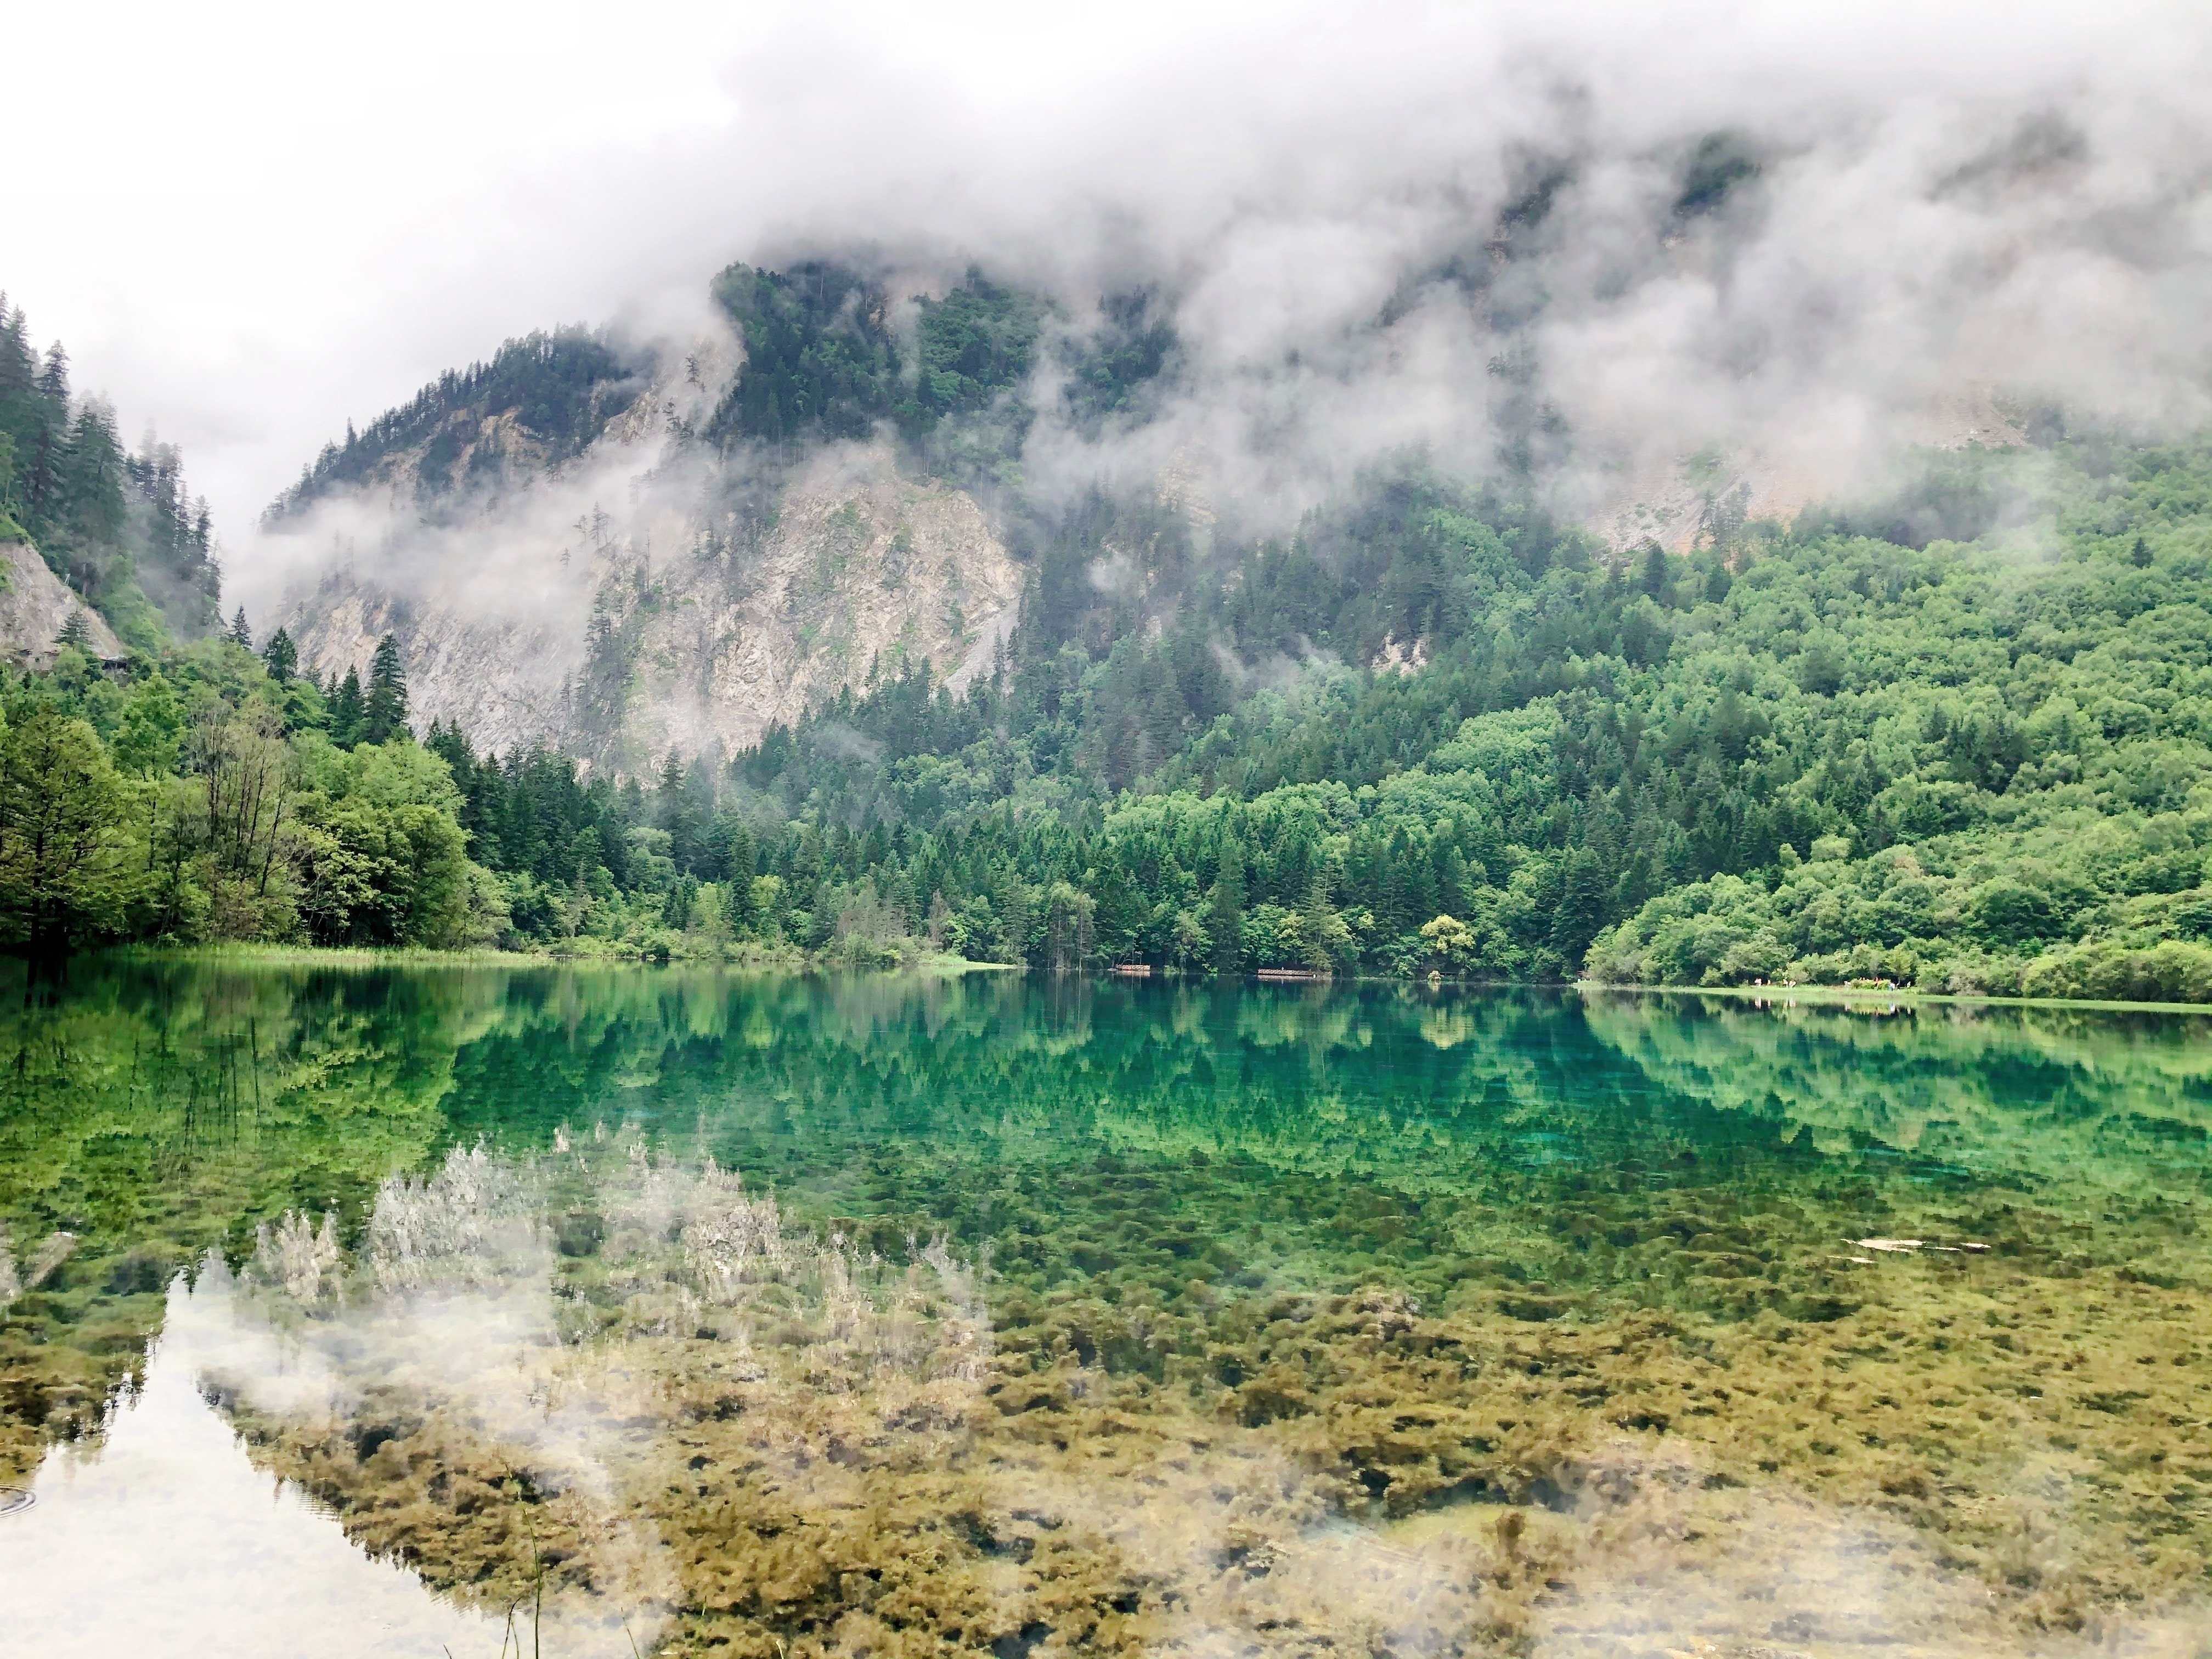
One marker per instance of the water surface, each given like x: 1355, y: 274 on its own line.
x: 723, y: 1315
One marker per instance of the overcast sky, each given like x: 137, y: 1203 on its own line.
x: 248, y: 223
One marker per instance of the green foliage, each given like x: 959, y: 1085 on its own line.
x: 1112, y: 374
x: 383, y: 710
x: 65, y: 864
x: 281, y: 657
x: 819, y: 355
x: 1826, y: 755
x: 118, y: 527
x: 823, y: 359
x: 200, y: 799
x: 383, y: 857
x: 562, y: 388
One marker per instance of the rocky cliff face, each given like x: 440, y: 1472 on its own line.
x: 861, y: 566
x: 36, y: 606
x: 625, y: 551
x: 647, y: 597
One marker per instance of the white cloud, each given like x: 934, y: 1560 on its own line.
x: 252, y: 222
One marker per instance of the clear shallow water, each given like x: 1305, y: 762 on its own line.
x: 771, y: 1316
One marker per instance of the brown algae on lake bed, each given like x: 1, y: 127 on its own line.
x: 1327, y: 1324
x: 830, y: 1453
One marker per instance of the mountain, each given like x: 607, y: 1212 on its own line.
x: 622, y: 551
x: 116, y: 528
x: 38, y: 612
x: 821, y: 580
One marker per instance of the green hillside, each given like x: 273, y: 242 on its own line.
x: 118, y: 526
x: 1832, y: 751
x: 559, y: 389
x: 1953, y: 737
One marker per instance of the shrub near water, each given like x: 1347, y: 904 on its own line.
x: 2173, y: 971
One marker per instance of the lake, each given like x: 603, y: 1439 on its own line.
x: 477, y: 1310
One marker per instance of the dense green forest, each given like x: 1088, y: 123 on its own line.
x: 1798, y: 753
x: 117, y: 524
x: 1954, y: 738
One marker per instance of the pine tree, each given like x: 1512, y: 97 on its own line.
x: 281, y: 657
x: 729, y: 849
x: 384, y: 713
x: 1581, y: 910
x: 1014, y: 908
x: 91, y: 476
x: 678, y: 814
x: 346, y: 711
x: 1226, y: 919
x: 240, y: 634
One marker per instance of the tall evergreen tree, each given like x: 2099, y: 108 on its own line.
x: 281, y: 657
x: 1226, y: 919
x: 384, y: 712
x: 1581, y: 908
x: 240, y: 634
x: 346, y: 711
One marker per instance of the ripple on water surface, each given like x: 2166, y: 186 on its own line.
x: 386, y: 1310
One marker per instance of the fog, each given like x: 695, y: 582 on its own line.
x: 1799, y: 233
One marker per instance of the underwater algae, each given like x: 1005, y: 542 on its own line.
x: 831, y: 1464
x: 1044, y: 1323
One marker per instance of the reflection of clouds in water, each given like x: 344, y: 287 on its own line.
x: 713, y: 1409
x: 520, y: 1319
x: 475, y: 1221
x: 168, y: 1541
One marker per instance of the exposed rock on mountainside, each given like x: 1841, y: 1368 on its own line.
x: 597, y: 641
x: 624, y: 549
x: 1686, y: 502
x: 502, y: 675
x: 36, y: 605
x: 861, y: 566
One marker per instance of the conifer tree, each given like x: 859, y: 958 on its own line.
x: 240, y: 634
x: 346, y: 711
x: 384, y: 712
x: 679, y: 813
x: 1226, y: 921
x: 281, y: 657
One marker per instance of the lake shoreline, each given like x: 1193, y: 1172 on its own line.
x: 415, y: 956
x: 793, y: 960
x: 1843, y: 995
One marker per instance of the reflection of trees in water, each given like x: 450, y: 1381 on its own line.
x: 2059, y: 1093
x: 536, y: 1240
x: 150, y: 1113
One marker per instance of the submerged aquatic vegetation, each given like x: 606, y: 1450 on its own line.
x: 892, y: 1319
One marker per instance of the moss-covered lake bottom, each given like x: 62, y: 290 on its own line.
x: 605, y: 1311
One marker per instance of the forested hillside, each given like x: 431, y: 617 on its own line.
x: 1808, y: 753
x: 541, y: 400
x: 1958, y: 736
x: 117, y: 524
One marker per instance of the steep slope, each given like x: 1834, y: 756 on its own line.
x: 540, y: 401
x: 625, y: 550
x: 648, y: 592
x: 116, y: 526
x: 863, y: 569
x: 37, y: 608
x: 601, y: 646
